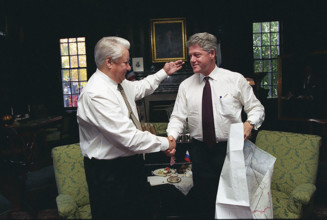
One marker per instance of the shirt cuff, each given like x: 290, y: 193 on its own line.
x: 174, y: 134
x: 255, y: 125
x: 162, y: 74
x: 164, y: 143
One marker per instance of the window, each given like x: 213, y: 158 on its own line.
x: 265, y: 53
x: 73, y: 69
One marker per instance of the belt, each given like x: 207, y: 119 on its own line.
x: 219, y: 143
x: 128, y: 158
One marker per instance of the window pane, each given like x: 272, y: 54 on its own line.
x: 265, y: 80
x: 274, y: 51
x: 74, y: 75
x: 81, y: 48
x: 66, y: 88
x: 274, y: 78
x: 82, y: 75
x: 67, y: 101
x: 81, y: 39
x: 274, y: 64
x: 75, y: 88
x: 265, y: 27
x: 64, y: 49
x: 257, y: 52
x: 266, y: 52
x: 274, y: 38
x: 75, y: 99
x: 266, y: 66
x: 73, y: 62
x: 82, y: 61
x: 274, y: 26
x: 65, y: 62
x: 65, y: 75
x: 266, y: 39
x: 72, y: 49
x: 63, y: 40
x: 256, y: 39
x: 258, y: 66
x: 72, y: 40
x: 256, y: 27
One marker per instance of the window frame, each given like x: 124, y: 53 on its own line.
x: 267, y: 76
x: 73, y: 58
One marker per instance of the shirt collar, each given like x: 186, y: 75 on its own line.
x: 213, y: 75
x: 106, y: 78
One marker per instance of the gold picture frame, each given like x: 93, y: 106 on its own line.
x: 168, y: 39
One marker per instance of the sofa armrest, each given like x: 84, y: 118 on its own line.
x: 301, y: 195
x: 67, y: 206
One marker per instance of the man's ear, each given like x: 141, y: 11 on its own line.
x: 212, y: 53
x: 109, y: 61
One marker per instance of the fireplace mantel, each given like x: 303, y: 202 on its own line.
x: 158, y: 106
x: 170, y: 84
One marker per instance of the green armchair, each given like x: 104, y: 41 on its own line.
x: 295, y: 170
x: 73, y: 196
x: 160, y: 128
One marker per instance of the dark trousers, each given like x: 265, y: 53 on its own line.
x: 117, y: 188
x: 207, y: 164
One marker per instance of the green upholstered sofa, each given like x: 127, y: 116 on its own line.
x: 73, y: 196
x: 295, y: 170
x: 160, y: 128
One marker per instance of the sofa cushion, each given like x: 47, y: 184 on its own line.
x: 296, y: 158
x: 280, y: 204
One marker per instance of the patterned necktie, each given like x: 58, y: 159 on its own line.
x: 131, y: 114
x: 208, y: 127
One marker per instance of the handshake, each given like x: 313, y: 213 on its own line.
x: 172, y: 147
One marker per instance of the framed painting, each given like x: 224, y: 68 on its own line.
x: 168, y: 39
x: 302, y: 86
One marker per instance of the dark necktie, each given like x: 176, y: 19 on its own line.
x: 131, y: 114
x: 208, y: 127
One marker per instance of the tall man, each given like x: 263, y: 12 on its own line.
x: 109, y: 136
x: 210, y: 101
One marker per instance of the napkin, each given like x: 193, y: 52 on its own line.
x: 157, y: 180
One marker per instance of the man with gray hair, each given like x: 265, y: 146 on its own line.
x: 111, y: 138
x: 210, y: 101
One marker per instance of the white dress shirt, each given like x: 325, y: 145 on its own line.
x: 230, y: 93
x: 106, y: 130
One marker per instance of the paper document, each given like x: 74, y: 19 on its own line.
x: 245, y: 180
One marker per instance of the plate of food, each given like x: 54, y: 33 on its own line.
x: 174, y: 179
x: 163, y: 171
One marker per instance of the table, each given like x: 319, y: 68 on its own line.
x: 37, y: 123
x: 168, y: 200
x: 186, y: 180
x: 27, y: 143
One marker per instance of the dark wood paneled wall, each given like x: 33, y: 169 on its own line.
x: 30, y: 59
